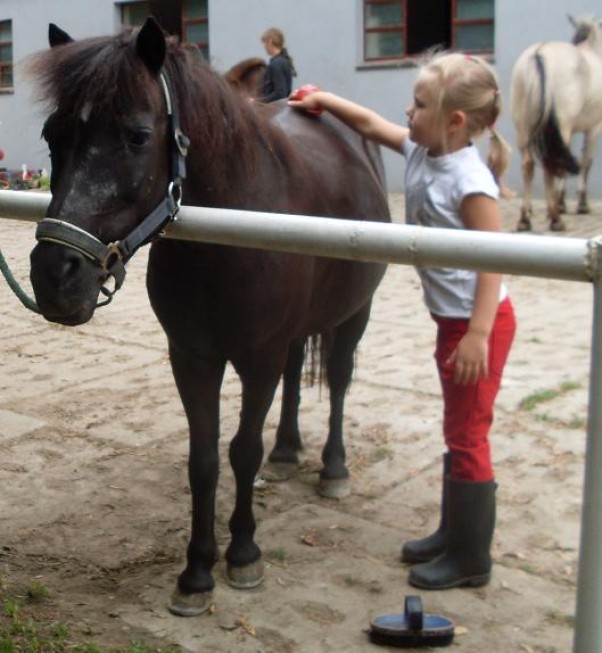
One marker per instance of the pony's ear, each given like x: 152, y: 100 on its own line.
x: 572, y: 21
x: 150, y: 45
x: 56, y: 36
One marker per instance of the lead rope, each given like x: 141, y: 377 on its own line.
x: 15, y: 287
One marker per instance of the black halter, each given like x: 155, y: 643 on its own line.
x: 112, y: 258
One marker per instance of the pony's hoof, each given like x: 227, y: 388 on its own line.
x: 334, y: 488
x: 247, y: 577
x: 523, y: 225
x: 283, y: 457
x: 583, y: 210
x: 557, y: 225
x: 190, y: 605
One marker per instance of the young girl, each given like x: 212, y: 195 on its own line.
x: 278, y: 76
x: 456, y: 98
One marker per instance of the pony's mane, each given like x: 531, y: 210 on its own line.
x: 107, y: 74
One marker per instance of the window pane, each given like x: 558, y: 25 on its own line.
x: 6, y: 32
x: 134, y: 14
x: 474, y: 37
x: 6, y: 53
x: 196, y: 33
x: 474, y: 9
x: 384, y: 44
x: 195, y: 9
x: 384, y: 14
x: 6, y: 77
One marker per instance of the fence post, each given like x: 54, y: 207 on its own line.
x: 588, y: 621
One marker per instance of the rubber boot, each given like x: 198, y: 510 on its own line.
x: 431, y: 546
x: 467, y: 559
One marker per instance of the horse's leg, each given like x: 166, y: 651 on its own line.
x: 553, y: 212
x: 245, y: 567
x: 586, y: 164
x: 199, y: 384
x: 561, y: 195
x: 528, y: 169
x: 334, y: 476
x: 288, y: 440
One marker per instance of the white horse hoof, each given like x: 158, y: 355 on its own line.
x: 334, y: 488
x: 190, y: 605
x: 245, y: 578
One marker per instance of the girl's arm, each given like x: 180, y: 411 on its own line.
x: 471, y: 355
x: 366, y: 122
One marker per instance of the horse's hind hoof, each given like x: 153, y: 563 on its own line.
x: 334, y: 488
x: 190, y: 605
x: 557, y: 225
x: 247, y: 577
x: 523, y: 225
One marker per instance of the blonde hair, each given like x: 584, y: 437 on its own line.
x: 461, y: 82
x: 274, y: 35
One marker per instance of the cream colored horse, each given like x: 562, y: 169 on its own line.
x: 556, y: 91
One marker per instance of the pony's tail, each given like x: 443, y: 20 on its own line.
x: 545, y: 140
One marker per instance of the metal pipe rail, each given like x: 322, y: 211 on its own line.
x: 571, y: 259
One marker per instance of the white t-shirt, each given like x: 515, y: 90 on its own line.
x: 434, y: 190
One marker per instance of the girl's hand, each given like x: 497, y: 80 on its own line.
x: 470, y: 358
x: 304, y: 98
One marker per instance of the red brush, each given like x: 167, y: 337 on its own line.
x: 301, y: 92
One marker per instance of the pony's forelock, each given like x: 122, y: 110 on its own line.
x: 106, y: 74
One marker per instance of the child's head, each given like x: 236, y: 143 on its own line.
x: 468, y: 84
x: 273, y: 37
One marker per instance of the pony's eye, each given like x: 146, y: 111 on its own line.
x: 139, y: 137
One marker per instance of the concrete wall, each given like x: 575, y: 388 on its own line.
x: 324, y: 39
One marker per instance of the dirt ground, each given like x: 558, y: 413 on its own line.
x: 94, y: 499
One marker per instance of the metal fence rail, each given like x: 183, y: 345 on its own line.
x: 571, y: 259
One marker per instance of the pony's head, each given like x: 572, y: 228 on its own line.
x: 116, y: 150
x: 587, y: 30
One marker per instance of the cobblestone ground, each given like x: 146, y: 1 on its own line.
x: 94, y: 500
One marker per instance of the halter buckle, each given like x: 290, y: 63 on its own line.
x: 182, y: 141
x: 112, y: 257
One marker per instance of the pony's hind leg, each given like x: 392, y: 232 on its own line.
x: 552, y: 197
x: 586, y: 164
x: 243, y: 556
x: 528, y: 168
x: 199, y: 384
x: 334, y: 476
x: 288, y: 440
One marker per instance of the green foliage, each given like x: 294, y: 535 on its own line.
x: 25, y: 628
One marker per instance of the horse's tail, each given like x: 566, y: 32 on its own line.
x: 545, y: 139
x: 318, y: 349
x: 317, y: 352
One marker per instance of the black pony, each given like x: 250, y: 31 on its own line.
x: 128, y: 114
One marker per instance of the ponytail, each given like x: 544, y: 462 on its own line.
x: 498, y: 159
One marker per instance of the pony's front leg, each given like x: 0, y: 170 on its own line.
x: 199, y: 383
x: 243, y: 556
x: 334, y: 476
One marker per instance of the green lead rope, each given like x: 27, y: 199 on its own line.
x: 15, y: 287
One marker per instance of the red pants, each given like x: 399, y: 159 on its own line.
x: 468, y: 410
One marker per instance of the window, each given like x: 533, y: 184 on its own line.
x: 397, y: 29
x: 6, y: 55
x: 195, y: 24
x: 133, y: 14
x: 473, y: 25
